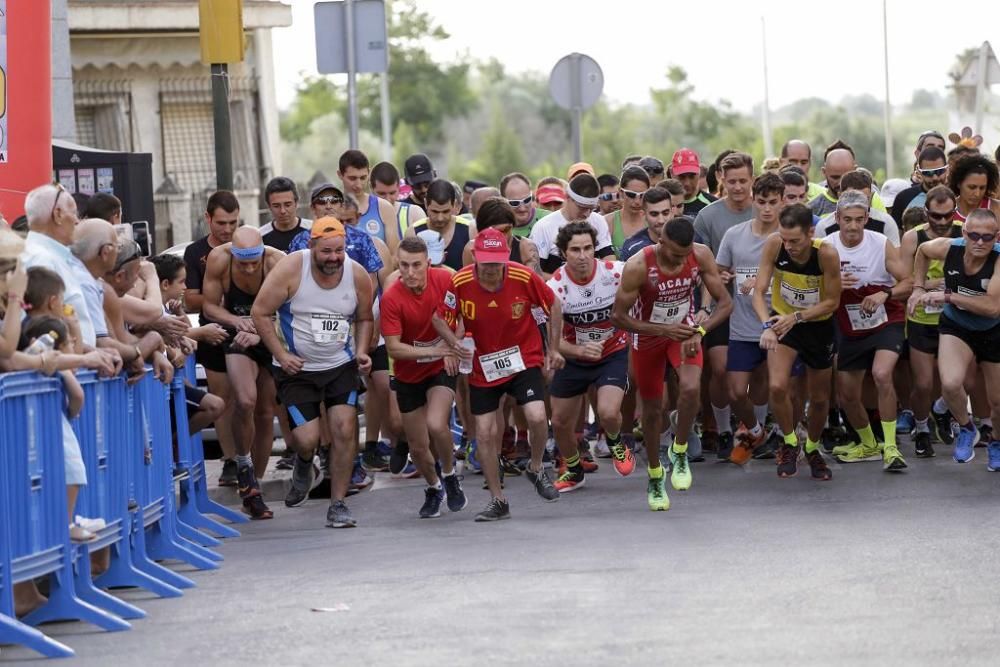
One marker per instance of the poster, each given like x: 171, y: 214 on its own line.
x: 85, y: 181
x: 3, y: 80
x: 68, y: 179
x: 105, y: 180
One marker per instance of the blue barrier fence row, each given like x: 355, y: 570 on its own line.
x: 145, y: 479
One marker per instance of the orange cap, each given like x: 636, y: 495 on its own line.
x: 327, y: 227
x: 577, y: 168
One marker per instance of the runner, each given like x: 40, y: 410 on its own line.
x: 233, y: 277
x: 922, y: 321
x: 516, y: 189
x: 931, y: 171
x: 418, y: 172
x: 660, y: 282
x: 377, y: 217
x: 282, y: 199
x: 610, y: 200
x: 970, y: 321
x: 878, y: 221
x: 424, y: 371
x: 653, y: 167
x: 596, y: 352
x: 318, y: 294
x: 798, y: 153
x: 440, y: 201
x: 746, y: 363
x: 870, y: 327
x: 685, y: 166
x: 974, y: 180
x: 550, y: 195
x: 804, y: 275
x: 522, y: 249
x: 657, y: 209
x: 384, y: 183
x: 494, y: 300
x: 629, y: 219
x: 581, y: 204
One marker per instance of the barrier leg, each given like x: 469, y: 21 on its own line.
x: 190, y: 510
x: 63, y: 604
x: 162, y: 545
x: 192, y: 534
x: 143, y: 562
x: 85, y: 590
x: 15, y: 632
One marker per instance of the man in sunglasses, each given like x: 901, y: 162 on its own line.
x: 878, y: 220
x: 969, y: 327
x: 418, y: 172
x: 922, y: 321
x: 931, y: 171
x: 654, y: 168
x: 581, y: 204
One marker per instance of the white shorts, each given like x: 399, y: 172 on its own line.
x: 76, y: 473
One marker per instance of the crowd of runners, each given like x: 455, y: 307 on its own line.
x: 672, y: 313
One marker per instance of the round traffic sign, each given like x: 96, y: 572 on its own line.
x: 576, y: 82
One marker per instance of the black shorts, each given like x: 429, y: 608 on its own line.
x: 575, y: 378
x: 922, y: 337
x: 211, y: 357
x: 814, y: 343
x: 525, y: 387
x: 985, y: 345
x: 413, y: 395
x: 302, y: 393
x: 716, y: 337
x: 858, y: 354
x: 380, y: 359
x: 257, y: 353
x: 193, y: 396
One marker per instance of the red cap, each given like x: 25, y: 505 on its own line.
x: 546, y: 194
x: 491, y: 247
x: 685, y: 161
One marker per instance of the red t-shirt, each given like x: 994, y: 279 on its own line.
x: 408, y: 316
x: 501, y: 323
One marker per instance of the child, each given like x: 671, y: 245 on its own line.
x: 44, y: 297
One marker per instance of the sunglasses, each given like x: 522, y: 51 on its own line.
x: 127, y: 251
x: 608, y: 196
x: 518, y: 203
x: 60, y: 189
x: 941, y: 217
x: 985, y: 238
x: 329, y: 199
x: 632, y: 194
x: 936, y: 171
x: 653, y: 170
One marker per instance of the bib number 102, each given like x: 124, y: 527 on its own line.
x: 331, y: 326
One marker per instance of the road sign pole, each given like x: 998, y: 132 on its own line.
x: 352, y: 91
x: 575, y: 84
x: 386, y: 118
x: 577, y: 103
x: 981, y: 85
x: 222, y: 126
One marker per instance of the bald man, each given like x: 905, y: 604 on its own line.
x: 479, y: 195
x: 799, y: 154
x: 234, y: 273
x: 839, y: 160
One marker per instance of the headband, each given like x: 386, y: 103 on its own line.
x: 253, y: 252
x: 581, y: 200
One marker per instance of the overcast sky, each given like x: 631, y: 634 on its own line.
x: 824, y: 49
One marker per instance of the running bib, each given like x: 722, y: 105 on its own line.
x: 592, y: 335
x: 862, y: 321
x: 330, y: 328
x: 501, y: 364
x: 673, y: 312
x: 933, y: 309
x: 799, y: 298
x: 420, y: 343
x: 745, y: 274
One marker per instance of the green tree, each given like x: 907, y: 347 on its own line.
x: 501, y: 152
x: 315, y: 97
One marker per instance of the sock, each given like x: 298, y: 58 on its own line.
x: 940, y: 406
x: 436, y: 487
x: 760, y: 412
x: 811, y: 446
x: 792, y: 440
x: 723, y: 419
x: 655, y: 473
x: 889, y: 431
x: 757, y: 429
x: 612, y: 439
x: 921, y: 426
x: 243, y: 461
x: 449, y: 474
x: 573, y: 461
x: 867, y: 435
x: 680, y: 447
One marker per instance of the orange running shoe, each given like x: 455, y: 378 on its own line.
x: 745, y: 444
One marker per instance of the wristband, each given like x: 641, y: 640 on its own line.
x: 701, y: 330
x: 798, y: 316
x: 947, y: 296
x: 766, y: 325
x: 887, y: 290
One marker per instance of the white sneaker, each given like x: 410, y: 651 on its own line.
x: 93, y: 525
x: 601, y: 450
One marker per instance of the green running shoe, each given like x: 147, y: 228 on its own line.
x: 843, y: 449
x: 656, y: 494
x: 861, y: 453
x: 680, y: 474
x: 892, y: 460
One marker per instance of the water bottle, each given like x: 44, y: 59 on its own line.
x: 44, y: 343
x: 465, y: 367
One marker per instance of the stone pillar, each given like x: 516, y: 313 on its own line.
x: 63, y: 109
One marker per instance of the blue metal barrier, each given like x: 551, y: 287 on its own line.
x: 33, y: 505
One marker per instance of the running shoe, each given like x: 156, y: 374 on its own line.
x: 456, y: 496
x: 591, y: 430
x: 432, y: 503
x: 495, y: 510
x: 255, y: 507
x: 228, y: 475
x: 509, y: 467
x: 844, y: 448
x: 680, y: 471
x: 817, y: 466
x: 788, y: 460
x: 339, y: 516
x: 286, y: 462
x: 965, y: 444
x: 408, y: 472
x: 522, y: 452
x: 622, y: 458
x: 656, y: 495
x: 399, y: 456
x: 360, y: 479
x: 376, y: 456
x: 588, y: 466
x: 570, y: 481
x: 922, y: 445
x: 985, y: 435
x: 710, y: 441
x: 905, y: 422
x: 462, y: 448
x: 892, y: 460
x: 725, y: 449
x: 861, y: 453
x: 543, y: 484
x: 601, y: 449
x: 303, y: 474
x: 832, y: 437
x: 944, y: 426
x: 993, y: 451
x: 745, y: 444
x: 770, y: 447
x: 637, y: 431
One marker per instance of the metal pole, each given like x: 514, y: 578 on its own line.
x: 352, y: 92
x: 766, y: 115
x: 576, y: 97
x: 981, y: 85
x: 386, y: 119
x: 223, y: 133
x: 890, y: 161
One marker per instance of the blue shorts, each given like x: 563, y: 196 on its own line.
x: 575, y: 378
x: 747, y: 356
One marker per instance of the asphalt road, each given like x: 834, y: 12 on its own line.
x: 869, y: 569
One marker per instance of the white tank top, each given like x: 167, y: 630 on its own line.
x: 866, y: 261
x: 315, y: 324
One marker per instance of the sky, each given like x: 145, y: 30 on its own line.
x: 825, y: 49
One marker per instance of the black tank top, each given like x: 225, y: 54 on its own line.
x: 515, y: 250
x: 453, y: 252
x: 955, y: 278
x: 237, y: 301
